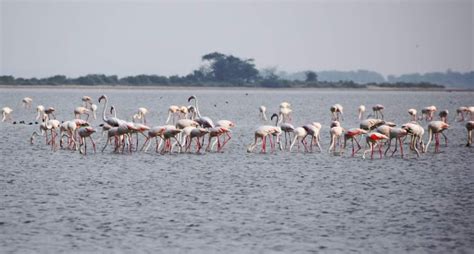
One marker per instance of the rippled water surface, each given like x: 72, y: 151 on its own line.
x: 234, y: 201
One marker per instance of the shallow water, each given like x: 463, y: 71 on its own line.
x: 234, y: 201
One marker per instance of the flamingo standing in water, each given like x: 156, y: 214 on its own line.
x: 78, y: 111
x: 299, y: 135
x: 287, y: 128
x: 352, y: 134
x: 361, y: 111
x: 50, y: 112
x: 40, y: 112
x: 216, y: 132
x: 27, y: 101
x: 335, y: 132
x: 416, y: 132
x: 141, y: 114
x: 469, y: 127
x: 397, y: 134
x: 470, y: 112
x: 434, y: 129
x: 336, y: 112
x: 460, y: 113
x: 428, y: 112
x: 112, y: 121
x: 313, y: 130
x: 412, y: 112
x: 263, y: 113
x: 262, y: 133
x: 371, y: 123
x: 374, y: 139
x: 6, y: 114
x: 168, y: 134
x: 443, y: 115
x: 378, y: 111
x: 83, y: 134
x: 196, y: 133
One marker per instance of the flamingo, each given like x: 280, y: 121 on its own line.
x: 313, y: 130
x: 78, y: 111
x: 112, y: 121
x: 352, y: 134
x: 337, y: 112
x: 428, y: 112
x: 154, y: 132
x: 434, y: 129
x: 443, y: 115
x: 183, y: 111
x: 299, y: 135
x: 27, y: 101
x: 216, y: 132
x: 416, y: 132
x: 225, y: 126
x: 94, y: 110
x: 287, y: 128
x: 412, y: 112
x: 361, y: 111
x: 371, y: 123
x: 87, y: 101
x: 335, y: 132
x: 112, y: 133
x: 40, y: 111
x: 168, y: 134
x: 460, y: 112
x: 67, y: 129
x: 141, y: 113
x: 50, y: 112
x: 374, y: 139
x: 196, y: 133
x: 173, y: 112
x: 397, y: 134
x: 205, y: 122
x: 83, y: 134
x: 285, y: 105
x: 193, y: 97
x: 378, y: 111
x: 262, y: 109
x: 263, y: 132
x: 469, y: 127
x: 6, y: 114
x: 470, y: 111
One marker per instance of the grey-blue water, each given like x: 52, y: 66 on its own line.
x: 234, y: 202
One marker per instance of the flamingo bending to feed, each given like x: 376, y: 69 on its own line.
x: 50, y: 112
x: 7, y: 114
x: 78, y: 111
x: 299, y: 135
x: 397, y: 134
x: 216, y: 132
x: 337, y: 112
x: 434, y: 129
x: 27, y: 101
x: 335, y: 132
x: 460, y: 113
x: 263, y: 113
x: 378, y: 111
x: 371, y: 123
x: 168, y: 134
x: 374, y: 139
x: 154, y: 132
x: 313, y: 130
x: 416, y: 132
x: 352, y: 134
x: 469, y: 127
x: 262, y: 133
x: 196, y: 133
x: 83, y: 134
x: 361, y: 111
x: 141, y: 114
x: 428, y: 112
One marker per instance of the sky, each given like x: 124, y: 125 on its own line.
x: 73, y: 38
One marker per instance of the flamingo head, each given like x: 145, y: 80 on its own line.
x: 273, y: 116
x: 102, y: 97
x: 191, y: 98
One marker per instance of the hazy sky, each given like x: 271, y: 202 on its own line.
x: 43, y: 38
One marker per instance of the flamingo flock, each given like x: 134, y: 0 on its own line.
x: 187, y: 130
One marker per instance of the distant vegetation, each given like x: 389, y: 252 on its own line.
x: 220, y: 70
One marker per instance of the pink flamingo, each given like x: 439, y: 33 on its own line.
x: 352, y: 135
x: 434, y: 129
x: 374, y: 139
x: 337, y: 112
x: 336, y: 132
x: 83, y: 134
x: 469, y: 127
x: 416, y: 132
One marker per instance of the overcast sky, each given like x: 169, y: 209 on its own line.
x: 43, y: 38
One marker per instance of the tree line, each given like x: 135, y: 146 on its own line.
x: 218, y: 70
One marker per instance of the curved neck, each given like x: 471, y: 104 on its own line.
x: 103, y: 112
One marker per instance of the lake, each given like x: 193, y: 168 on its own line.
x: 234, y: 202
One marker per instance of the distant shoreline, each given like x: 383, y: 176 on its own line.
x: 128, y: 87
